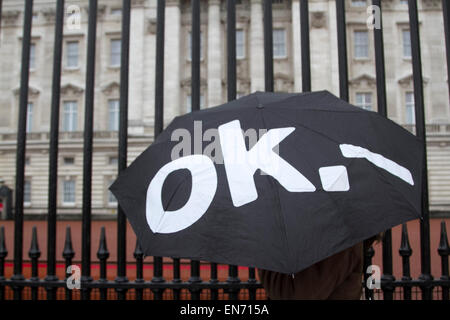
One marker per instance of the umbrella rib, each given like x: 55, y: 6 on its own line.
x: 280, y: 211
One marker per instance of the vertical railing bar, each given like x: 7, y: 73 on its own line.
x: 405, y: 252
x: 3, y: 254
x: 34, y: 253
x: 159, y: 75
x: 268, y: 46
x: 252, y: 280
x: 68, y: 255
x: 231, y: 49
x: 342, y: 50
x: 195, y: 55
x: 53, y: 152
x: 444, y: 252
x: 195, y: 103
x: 21, y: 144
x: 231, y: 84
x: 425, y: 276
x: 305, y: 43
x: 446, y: 12
x: 176, y: 277
x: 139, y: 256
x: 123, y: 145
x: 368, y: 256
x: 213, y: 280
x: 159, y: 115
x: 103, y: 255
x: 87, y: 151
x: 387, y: 278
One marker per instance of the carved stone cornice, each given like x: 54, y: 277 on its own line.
x: 186, y: 83
x: 318, y: 19
x: 101, y: 10
x: 137, y: 3
x: 71, y: 89
x: 408, y: 81
x: 432, y: 4
x: 32, y: 91
x: 111, y: 87
x: 172, y: 3
x: 151, y: 25
x: 363, y: 80
x: 10, y: 17
x: 49, y: 14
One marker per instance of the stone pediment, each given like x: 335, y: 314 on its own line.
x: 408, y: 80
x: 111, y: 87
x: 70, y: 88
x: 32, y: 91
x: 363, y: 79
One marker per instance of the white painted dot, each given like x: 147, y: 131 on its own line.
x: 334, y: 178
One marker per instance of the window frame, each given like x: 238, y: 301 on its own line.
x: 73, y: 116
x: 284, y: 31
x: 406, y: 31
x: 116, y: 112
x: 364, y: 103
x: 63, y: 193
x: 67, y: 65
x: 112, y: 54
x: 241, y: 57
x: 27, y: 191
x: 410, y: 105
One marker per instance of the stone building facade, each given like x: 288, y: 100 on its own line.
x: 250, y: 78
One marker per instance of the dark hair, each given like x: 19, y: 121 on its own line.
x: 375, y: 239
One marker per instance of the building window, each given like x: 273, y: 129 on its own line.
x: 361, y: 44
x: 32, y: 56
x: 69, y: 192
x: 406, y: 37
x: 410, y: 108
x: 72, y: 54
x: 113, y: 107
x: 115, y: 53
x: 70, y: 116
x: 190, y: 46
x: 69, y: 161
x: 359, y: 3
x: 240, y: 44
x: 404, y: 2
x: 113, y: 160
x: 27, y: 192
x: 279, y: 43
x: 277, y: 1
x: 364, y: 100
x: 111, y: 198
x: 189, y: 101
x: 27, y: 161
x: 116, y: 12
x: 30, y: 117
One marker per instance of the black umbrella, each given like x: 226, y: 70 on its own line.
x: 274, y: 181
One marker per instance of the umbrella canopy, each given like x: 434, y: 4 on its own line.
x: 274, y: 181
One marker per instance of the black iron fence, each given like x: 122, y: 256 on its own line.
x: 52, y: 287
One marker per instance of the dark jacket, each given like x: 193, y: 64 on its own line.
x: 338, y: 277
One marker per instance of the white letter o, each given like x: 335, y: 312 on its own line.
x: 204, y: 185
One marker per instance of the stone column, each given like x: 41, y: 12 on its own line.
x: 296, y: 45
x: 214, y: 54
x: 136, y: 71
x: 172, y: 60
x: 256, y: 47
